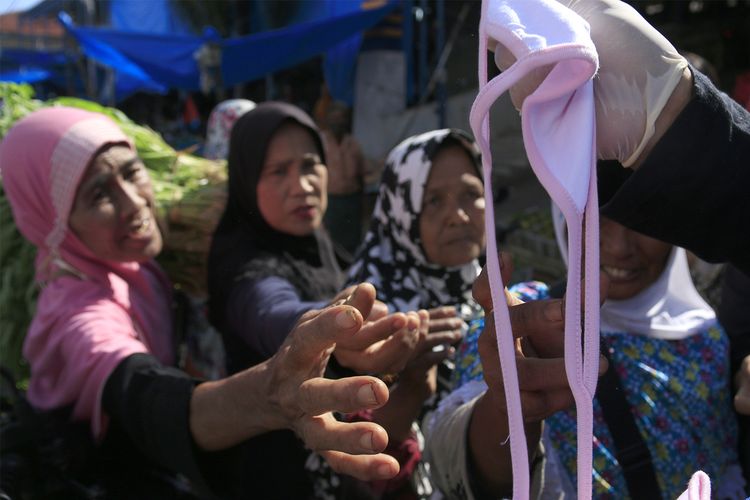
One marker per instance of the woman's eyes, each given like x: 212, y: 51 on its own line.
x: 309, y: 163
x: 98, y: 195
x: 433, y: 201
x: 134, y: 173
x: 472, y: 195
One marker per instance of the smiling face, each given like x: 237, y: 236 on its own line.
x: 631, y: 260
x: 113, y: 211
x: 291, y: 191
x: 451, y: 223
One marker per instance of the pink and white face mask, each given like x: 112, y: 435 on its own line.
x: 559, y: 133
x: 558, y: 124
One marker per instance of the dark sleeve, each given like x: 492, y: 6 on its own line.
x: 693, y: 190
x: 263, y: 312
x: 151, y: 404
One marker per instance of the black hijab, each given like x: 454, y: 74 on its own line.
x: 244, y: 246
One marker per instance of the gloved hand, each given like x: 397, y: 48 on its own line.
x: 641, y: 86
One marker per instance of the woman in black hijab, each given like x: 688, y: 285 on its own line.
x: 271, y: 260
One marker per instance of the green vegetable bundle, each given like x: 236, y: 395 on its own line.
x: 190, y: 195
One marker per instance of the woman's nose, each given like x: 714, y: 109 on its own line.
x: 302, y: 183
x: 615, y: 240
x: 458, y: 214
x: 132, y: 200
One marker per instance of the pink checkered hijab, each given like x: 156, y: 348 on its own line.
x: 92, y: 313
x: 558, y: 124
x: 43, y: 158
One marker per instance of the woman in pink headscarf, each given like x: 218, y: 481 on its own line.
x: 101, y: 342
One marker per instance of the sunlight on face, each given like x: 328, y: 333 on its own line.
x: 113, y: 211
x: 451, y: 223
x: 631, y: 260
x: 292, y: 189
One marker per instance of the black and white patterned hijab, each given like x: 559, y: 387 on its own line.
x: 392, y: 257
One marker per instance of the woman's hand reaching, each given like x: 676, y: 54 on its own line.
x: 288, y: 391
x: 385, y: 343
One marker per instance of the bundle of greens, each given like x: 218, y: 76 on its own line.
x: 190, y: 195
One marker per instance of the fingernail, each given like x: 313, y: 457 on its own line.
x: 346, y: 319
x: 399, y: 322
x: 366, y: 440
x: 385, y: 471
x: 366, y: 395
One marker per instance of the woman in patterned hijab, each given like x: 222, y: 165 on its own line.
x: 427, y: 229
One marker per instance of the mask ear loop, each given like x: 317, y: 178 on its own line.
x: 581, y: 347
x: 479, y: 119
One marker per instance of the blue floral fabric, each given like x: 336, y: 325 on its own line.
x: 679, y: 395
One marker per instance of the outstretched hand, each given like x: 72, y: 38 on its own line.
x: 539, y: 330
x: 305, y: 400
x: 385, y: 342
x: 288, y: 391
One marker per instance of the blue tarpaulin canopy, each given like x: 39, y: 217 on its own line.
x: 250, y: 57
x: 161, y: 61
x: 31, y: 75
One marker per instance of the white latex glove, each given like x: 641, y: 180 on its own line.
x: 639, y: 71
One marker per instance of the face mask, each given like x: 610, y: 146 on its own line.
x: 558, y: 124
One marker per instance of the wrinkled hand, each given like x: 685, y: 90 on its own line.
x: 302, y: 400
x: 641, y: 86
x: 539, y: 330
x: 439, y: 330
x: 385, y: 343
x: 445, y: 319
x: 742, y: 381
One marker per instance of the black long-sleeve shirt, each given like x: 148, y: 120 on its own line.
x: 693, y: 190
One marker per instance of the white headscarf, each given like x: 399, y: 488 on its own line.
x: 670, y: 308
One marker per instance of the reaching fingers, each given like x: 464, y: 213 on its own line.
x: 435, y: 339
x: 343, y: 295
x: 375, y: 331
x: 446, y: 324
x: 422, y: 317
x: 379, y: 310
x: 442, y: 312
x: 319, y: 395
x: 362, y: 298
x: 542, y: 322
x: 313, y: 337
x: 326, y: 433
x: 364, y: 467
x: 392, y: 354
x: 481, y: 288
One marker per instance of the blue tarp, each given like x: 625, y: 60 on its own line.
x: 153, y: 16
x: 33, y: 57
x: 251, y: 57
x: 163, y: 61
x: 159, y: 60
x: 25, y: 76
